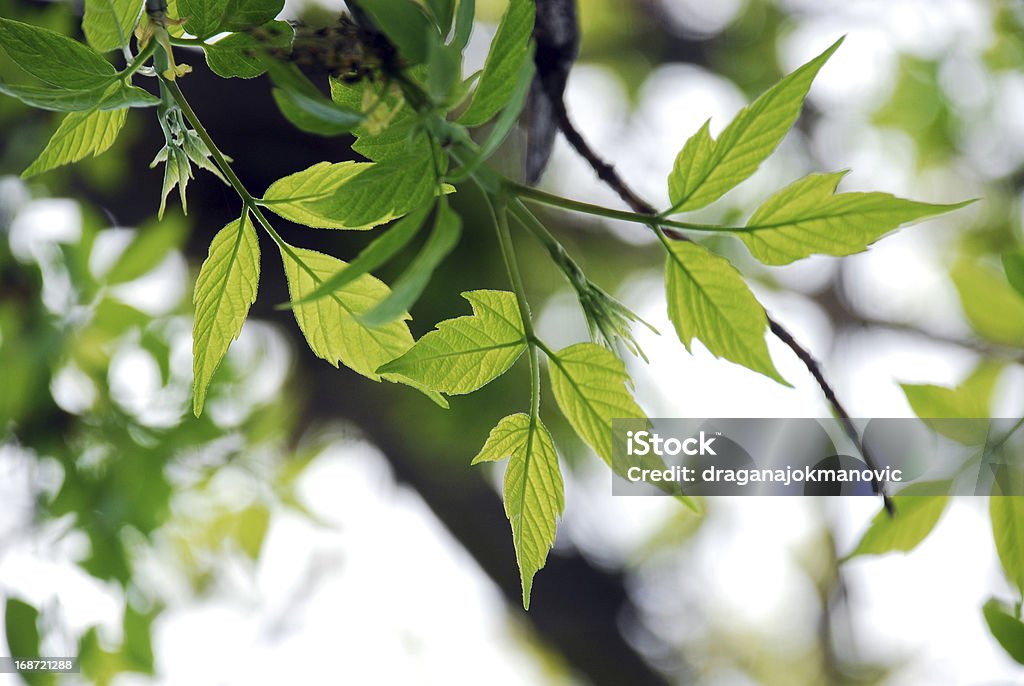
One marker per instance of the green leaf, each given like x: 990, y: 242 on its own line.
x: 1007, y: 514
x: 203, y: 17
x: 405, y: 24
x: 352, y: 195
x: 1013, y: 265
x: 150, y: 247
x: 970, y: 400
x: 993, y: 309
x: 382, y: 249
x: 80, y: 134
x: 241, y: 55
x: 443, y: 11
x: 332, y: 325
x: 807, y: 217
x: 509, y: 49
x: 916, y: 516
x: 242, y: 15
x: 108, y: 24
x: 444, y: 71
x: 177, y: 172
x: 225, y: 289
x: 390, y: 129
x: 709, y: 300
x: 589, y: 383
x: 315, y: 115
x: 706, y: 169
x: 407, y: 289
x: 1007, y: 629
x: 464, y: 23
x: 101, y: 97
x: 466, y: 353
x: 54, y: 58
x: 533, y: 492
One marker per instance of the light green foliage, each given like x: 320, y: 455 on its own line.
x: 589, y: 383
x: 706, y: 169
x: 945, y: 409
x: 407, y: 289
x: 332, y: 325
x: 993, y: 309
x: 1007, y: 628
x: 466, y: 353
x: 509, y: 50
x: 80, y: 134
x: 305, y: 106
x: 1007, y: 514
x: 239, y: 54
x: 225, y: 289
x: 382, y: 249
x: 1013, y: 265
x: 54, y: 58
x: 352, y: 195
x: 177, y: 172
x: 533, y: 492
x: 708, y: 300
x: 405, y: 23
x: 391, y: 128
x: 108, y: 24
x: 807, y: 218
x: 916, y: 516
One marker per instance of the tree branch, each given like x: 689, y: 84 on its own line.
x: 607, y: 173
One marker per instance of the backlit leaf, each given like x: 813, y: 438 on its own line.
x: 80, y: 134
x: 533, y: 492
x: 509, y: 49
x: 225, y: 290
x: 466, y: 353
x: 710, y: 301
x: 108, y: 24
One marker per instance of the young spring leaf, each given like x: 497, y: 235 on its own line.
x: 589, y: 383
x: 352, y: 195
x: 225, y: 290
x: 1007, y: 629
x: 101, y: 97
x: 466, y: 353
x: 390, y: 129
x: 54, y: 58
x: 533, y: 492
x: 808, y: 217
x: 332, y: 325
x: 108, y: 24
x: 509, y: 50
x: 993, y: 309
x: 203, y: 18
x: 1013, y: 265
x: 80, y: 134
x: 407, y: 289
x: 1007, y: 514
x: 405, y: 24
x: 709, y: 300
x: 706, y: 169
x: 972, y: 399
x: 240, y: 54
x: 382, y: 249
x: 916, y: 516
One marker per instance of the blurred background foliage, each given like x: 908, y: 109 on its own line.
x: 104, y: 470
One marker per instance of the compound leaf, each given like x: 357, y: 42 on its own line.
x: 709, y: 300
x: 225, y: 290
x: 466, y: 353
x: 533, y: 492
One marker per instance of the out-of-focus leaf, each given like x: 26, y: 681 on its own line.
x: 993, y: 309
x: 916, y: 516
x: 1007, y: 629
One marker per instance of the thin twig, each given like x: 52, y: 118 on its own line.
x: 607, y: 173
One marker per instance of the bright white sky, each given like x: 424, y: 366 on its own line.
x: 384, y: 595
